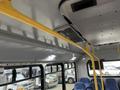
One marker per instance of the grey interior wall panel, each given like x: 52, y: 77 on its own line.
x: 81, y: 69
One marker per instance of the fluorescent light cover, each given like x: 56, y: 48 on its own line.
x: 50, y: 58
x: 73, y: 58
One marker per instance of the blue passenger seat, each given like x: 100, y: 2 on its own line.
x: 119, y: 84
x: 99, y: 83
x: 111, y: 84
x: 86, y: 82
x: 79, y: 86
x: 90, y: 87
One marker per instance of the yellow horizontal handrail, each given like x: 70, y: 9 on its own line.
x: 7, y: 9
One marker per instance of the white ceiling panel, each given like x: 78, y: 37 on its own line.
x: 99, y: 24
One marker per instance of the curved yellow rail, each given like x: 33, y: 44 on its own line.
x: 88, y: 47
x: 7, y: 9
x: 101, y: 74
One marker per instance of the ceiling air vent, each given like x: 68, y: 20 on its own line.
x: 71, y: 34
x: 83, y: 4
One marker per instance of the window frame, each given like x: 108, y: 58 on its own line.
x: 103, y: 66
x: 23, y: 66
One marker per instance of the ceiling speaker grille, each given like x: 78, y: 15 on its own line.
x: 71, y: 34
x: 83, y: 4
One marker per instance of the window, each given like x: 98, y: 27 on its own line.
x: 59, y: 68
x: 66, y: 66
x: 36, y: 71
x: 54, y: 68
x: 53, y: 76
x: 21, y: 77
x: 70, y: 76
x: 47, y: 69
x: 73, y: 65
x: 22, y: 73
x: 70, y: 65
x: 111, y: 68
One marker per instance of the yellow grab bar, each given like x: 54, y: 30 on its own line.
x: 101, y: 74
x: 7, y: 9
x: 92, y: 51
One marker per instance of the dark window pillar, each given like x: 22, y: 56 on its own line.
x: 42, y: 78
x: 75, y: 71
x: 63, y: 77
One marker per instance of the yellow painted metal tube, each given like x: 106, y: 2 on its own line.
x: 118, y: 48
x: 93, y: 52
x: 7, y: 9
x: 101, y: 74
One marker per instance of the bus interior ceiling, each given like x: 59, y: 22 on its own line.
x: 96, y: 22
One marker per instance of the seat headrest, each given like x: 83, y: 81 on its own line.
x: 79, y: 86
x: 85, y: 80
x: 111, y: 84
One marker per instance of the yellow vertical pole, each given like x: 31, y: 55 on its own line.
x: 118, y: 48
x: 95, y: 76
x: 7, y: 9
x: 101, y: 74
x: 87, y: 48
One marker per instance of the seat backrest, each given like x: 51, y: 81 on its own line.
x: 99, y: 84
x: 86, y: 81
x: 79, y: 86
x: 119, y: 84
x: 111, y: 84
x: 90, y: 87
